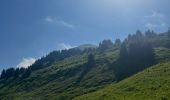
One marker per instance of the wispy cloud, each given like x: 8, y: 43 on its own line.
x: 62, y: 46
x: 155, y: 20
x: 155, y: 14
x: 49, y: 19
x: 150, y: 25
x: 26, y: 62
x: 66, y: 24
x: 55, y: 20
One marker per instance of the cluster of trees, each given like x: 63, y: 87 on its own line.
x: 117, y: 42
x: 40, y: 63
x: 136, y: 54
x: 104, y: 45
x: 54, y: 57
x: 86, y: 68
x: 15, y: 73
x: 158, y: 40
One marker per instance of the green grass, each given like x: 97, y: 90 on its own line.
x: 162, y: 54
x: 150, y: 84
x: 58, y: 81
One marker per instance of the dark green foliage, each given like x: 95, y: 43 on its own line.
x: 3, y: 74
x: 158, y: 40
x: 90, y: 64
x: 123, y: 53
x: 54, y: 56
x: 135, y: 55
x: 105, y: 44
x: 63, y: 75
x: 9, y: 73
x: 26, y: 73
x: 14, y: 73
x: 150, y: 84
x: 150, y: 34
x: 117, y: 42
x: 17, y: 72
x: 91, y: 60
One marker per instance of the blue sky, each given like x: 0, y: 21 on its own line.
x: 30, y: 29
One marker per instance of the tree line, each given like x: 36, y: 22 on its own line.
x: 14, y: 72
x: 40, y: 63
x: 136, y: 53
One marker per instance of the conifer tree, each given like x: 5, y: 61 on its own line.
x: 3, y: 74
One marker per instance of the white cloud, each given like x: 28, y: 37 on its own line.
x: 155, y: 20
x: 49, y: 19
x: 26, y: 62
x: 65, y: 46
x: 150, y: 26
x: 155, y: 14
x: 55, y: 20
x: 66, y: 24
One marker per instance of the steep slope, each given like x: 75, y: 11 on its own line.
x: 150, y: 84
x: 63, y: 75
x: 61, y: 80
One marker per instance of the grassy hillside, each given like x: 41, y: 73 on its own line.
x: 66, y: 74
x: 162, y: 54
x: 150, y: 84
x: 59, y: 81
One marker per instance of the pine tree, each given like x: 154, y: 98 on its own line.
x: 90, y: 64
x: 9, y: 73
x: 16, y: 72
x: 26, y: 73
x: 123, y: 53
x: 105, y: 44
x: 91, y: 60
x: 117, y: 42
x: 3, y: 74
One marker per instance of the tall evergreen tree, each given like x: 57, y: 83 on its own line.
x: 117, y: 42
x: 9, y: 73
x: 121, y: 66
x: 135, y: 55
x: 123, y: 53
x: 3, y: 74
x: 90, y: 64
x: 16, y: 74
x: 26, y: 73
x: 149, y: 34
x: 91, y: 60
x: 105, y: 44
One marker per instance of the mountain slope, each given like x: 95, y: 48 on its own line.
x: 60, y: 79
x: 152, y: 83
x: 66, y: 74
